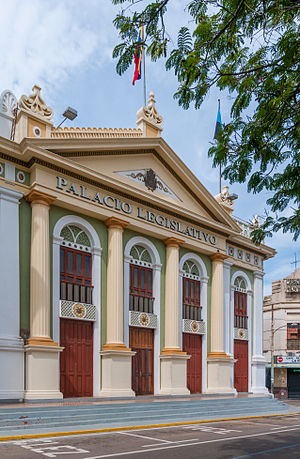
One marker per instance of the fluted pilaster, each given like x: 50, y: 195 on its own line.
x: 115, y: 332
x: 40, y: 269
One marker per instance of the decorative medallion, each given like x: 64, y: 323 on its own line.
x: 144, y: 320
x: 150, y: 179
x: 79, y: 310
x: 21, y: 176
x: 241, y: 333
x: 194, y: 326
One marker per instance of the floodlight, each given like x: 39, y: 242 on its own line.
x: 70, y: 114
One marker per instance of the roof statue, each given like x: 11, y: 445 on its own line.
x: 34, y: 103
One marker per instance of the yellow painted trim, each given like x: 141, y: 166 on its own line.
x: 150, y: 426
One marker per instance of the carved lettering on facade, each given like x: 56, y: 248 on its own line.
x: 122, y: 206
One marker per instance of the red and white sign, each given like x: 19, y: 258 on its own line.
x: 279, y: 359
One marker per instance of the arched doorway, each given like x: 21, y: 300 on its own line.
x: 240, y: 335
x: 141, y: 339
x: 76, y: 305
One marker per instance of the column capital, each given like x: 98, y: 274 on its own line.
x: 219, y: 256
x: 228, y: 263
x: 173, y: 242
x: 204, y: 279
x: 258, y: 274
x: 114, y: 222
x: 10, y: 195
x: 39, y: 197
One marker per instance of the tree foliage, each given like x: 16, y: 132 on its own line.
x: 251, y: 49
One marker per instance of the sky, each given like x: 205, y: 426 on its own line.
x: 65, y: 46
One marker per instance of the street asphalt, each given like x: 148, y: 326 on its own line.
x: 268, y: 437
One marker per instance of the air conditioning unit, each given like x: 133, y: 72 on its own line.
x: 290, y: 354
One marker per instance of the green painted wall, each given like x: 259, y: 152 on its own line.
x: 55, y: 214
x: 207, y: 262
x: 160, y: 246
x: 24, y: 243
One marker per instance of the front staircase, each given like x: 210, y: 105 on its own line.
x: 29, y: 420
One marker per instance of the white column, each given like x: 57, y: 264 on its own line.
x: 116, y: 356
x: 228, y: 326
x: 173, y: 359
x: 219, y: 363
x: 203, y: 302
x: 42, y: 353
x: 258, y: 360
x: 250, y: 336
x: 11, y: 345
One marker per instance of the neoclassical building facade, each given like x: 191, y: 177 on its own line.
x: 121, y: 275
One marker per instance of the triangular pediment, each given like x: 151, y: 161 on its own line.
x: 125, y: 167
x: 150, y: 179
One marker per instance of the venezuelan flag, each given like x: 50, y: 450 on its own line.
x: 138, y: 56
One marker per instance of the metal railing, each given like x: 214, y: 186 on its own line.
x: 141, y: 303
x: 191, y: 312
x: 74, y: 292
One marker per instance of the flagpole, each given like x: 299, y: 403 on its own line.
x: 220, y: 163
x: 144, y: 69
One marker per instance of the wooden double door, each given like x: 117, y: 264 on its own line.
x: 192, y: 345
x: 141, y: 341
x: 241, y: 365
x: 76, y: 360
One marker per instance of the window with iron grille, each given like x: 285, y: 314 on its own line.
x: 293, y: 337
x: 191, y: 299
x: 76, y: 275
x: 240, y: 310
x: 141, y: 293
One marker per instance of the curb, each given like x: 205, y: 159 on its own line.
x: 150, y: 426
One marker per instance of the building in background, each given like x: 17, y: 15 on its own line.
x: 282, y: 336
x: 121, y: 274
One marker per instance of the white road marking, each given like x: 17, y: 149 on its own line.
x: 238, y: 437
x: 46, y: 448
x: 178, y: 441
x: 144, y: 436
x: 54, y: 450
x: 211, y: 429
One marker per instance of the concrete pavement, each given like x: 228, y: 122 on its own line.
x: 268, y: 437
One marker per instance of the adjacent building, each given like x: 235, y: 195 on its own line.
x: 282, y: 336
x: 121, y: 275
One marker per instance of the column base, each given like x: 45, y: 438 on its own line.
x: 116, y: 372
x: 12, y: 369
x: 219, y: 374
x: 42, y: 372
x: 174, y: 373
x: 258, y: 368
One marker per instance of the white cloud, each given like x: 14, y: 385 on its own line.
x: 44, y: 42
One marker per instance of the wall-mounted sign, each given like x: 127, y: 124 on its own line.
x: 292, y: 285
x: 125, y: 207
x: 287, y: 359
